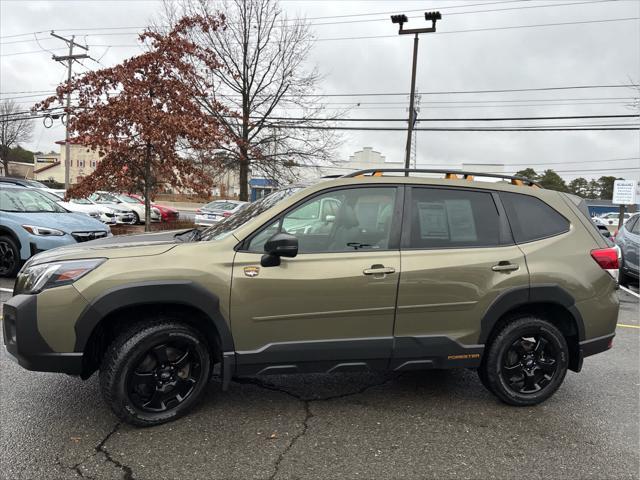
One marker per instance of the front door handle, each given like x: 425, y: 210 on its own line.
x: 378, y: 270
x: 505, y: 267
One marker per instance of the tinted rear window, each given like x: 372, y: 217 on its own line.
x: 531, y: 218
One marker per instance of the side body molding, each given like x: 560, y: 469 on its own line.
x: 176, y: 292
x: 516, y: 297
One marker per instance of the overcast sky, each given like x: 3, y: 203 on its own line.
x: 605, y: 53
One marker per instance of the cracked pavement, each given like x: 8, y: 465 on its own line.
x: 434, y: 424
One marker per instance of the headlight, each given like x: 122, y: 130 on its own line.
x: 155, y: 211
x: 43, y: 231
x: 35, y: 278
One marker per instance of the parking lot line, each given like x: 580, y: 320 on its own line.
x: 630, y: 291
x: 627, y: 326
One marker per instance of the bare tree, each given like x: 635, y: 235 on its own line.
x: 267, y: 80
x: 15, y: 127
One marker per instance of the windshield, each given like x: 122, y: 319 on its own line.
x: 81, y: 201
x: 51, y: 196
x: 229, y: 224
x: 127, y: 199
x: 101, y: 197
x: 220, y: 205
x: 27, y: 200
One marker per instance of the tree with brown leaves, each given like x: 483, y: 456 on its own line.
x: 143, y: 113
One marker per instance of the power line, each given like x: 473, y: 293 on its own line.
x: 138, y: 29
x: 370, y: 37
x: 477, y: 119
x: 86, y: 29
x: 460, y: 129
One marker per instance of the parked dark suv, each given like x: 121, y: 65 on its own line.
x: 378, y: 270
x: 628, y: 239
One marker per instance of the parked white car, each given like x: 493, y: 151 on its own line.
x: 612, y: 218
x: 91, y: 210
x: 109, y: 214
x: 218, y: 210
x: 123, y: 201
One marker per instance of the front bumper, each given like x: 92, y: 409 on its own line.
x: 25, y: 344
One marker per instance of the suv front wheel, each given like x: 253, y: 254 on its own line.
x: 526, y: 362
x: 155, y: 372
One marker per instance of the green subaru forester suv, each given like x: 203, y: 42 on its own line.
x: 377, y: 270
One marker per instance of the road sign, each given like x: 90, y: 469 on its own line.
x: 625, y: 192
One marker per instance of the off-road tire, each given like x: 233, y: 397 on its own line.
x: 482, y: 375
x: 123, y: 356
x: 495, y: 368
x: 11, y: 257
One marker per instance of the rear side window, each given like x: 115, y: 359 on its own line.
x: 443, y: 218
x: 531, y: 218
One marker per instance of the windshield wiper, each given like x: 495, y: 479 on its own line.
x: 192, y: 235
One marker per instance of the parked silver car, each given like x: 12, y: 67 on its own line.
x: 628, y: 239
x: 218, y: 210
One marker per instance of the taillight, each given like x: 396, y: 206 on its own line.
x: 226, y: 214
x: 607, y: 258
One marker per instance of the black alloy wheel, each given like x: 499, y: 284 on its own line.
x: 155, y: 371
x: 165, y: 376
x: 529, y: 364
x: 526, y: 362
x: 9, y: 257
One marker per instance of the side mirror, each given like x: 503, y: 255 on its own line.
x: 279, y: 245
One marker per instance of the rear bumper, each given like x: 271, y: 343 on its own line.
x: 25, y: 344
x: 205, y: 221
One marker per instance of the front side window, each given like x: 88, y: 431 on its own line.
x: 448, y: 218
x: 337, y: 221
x: 531, y: 218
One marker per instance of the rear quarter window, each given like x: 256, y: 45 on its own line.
x: 531, y: 218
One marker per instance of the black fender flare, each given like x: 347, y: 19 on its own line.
x: 175, y: 292
x: 520, y: 296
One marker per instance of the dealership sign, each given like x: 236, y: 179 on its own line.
x: 625, y: 192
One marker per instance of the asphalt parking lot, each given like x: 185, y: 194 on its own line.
x: 439, y: 424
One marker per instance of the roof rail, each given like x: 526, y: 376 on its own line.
x: 448, y: 174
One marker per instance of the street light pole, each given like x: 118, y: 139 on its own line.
x: 401, y: 20
x: 412, y: 120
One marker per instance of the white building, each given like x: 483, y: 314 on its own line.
x: 364, y: 159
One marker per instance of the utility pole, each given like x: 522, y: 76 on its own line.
x: 69, y: 59
x: 414, y: 148
x: 402, y: 19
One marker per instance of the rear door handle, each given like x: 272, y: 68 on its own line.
x: 378, y: 270
x: 505, y: 267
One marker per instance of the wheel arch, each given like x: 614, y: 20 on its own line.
x: 550, y: 302
x: 109, y: 312
x: 7, y: 231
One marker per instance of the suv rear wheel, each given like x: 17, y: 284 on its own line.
x: 526, y: 362
x: 155, y: 372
